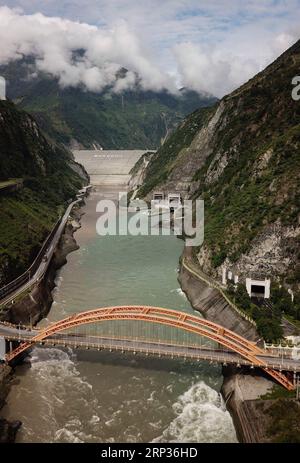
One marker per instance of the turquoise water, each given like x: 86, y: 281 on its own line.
x: 66, y: 396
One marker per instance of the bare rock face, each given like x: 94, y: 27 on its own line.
x: 204, y: 257
x: 273, y: 252
x: 242, y: 158
x: 138, y: 174
x: 194, y: 157
x: 262, y: 163
x: 210, y: 303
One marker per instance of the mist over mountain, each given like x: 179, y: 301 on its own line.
x: 111, y: 119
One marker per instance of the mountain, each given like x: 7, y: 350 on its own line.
x: 242, y: 156
x: 36, y: 181
x: 78, y: 118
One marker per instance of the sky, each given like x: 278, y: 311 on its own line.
x: 208, y: 46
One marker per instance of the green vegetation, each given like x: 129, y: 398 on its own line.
x: 10, y: 182
x: 285, y: 421
x: 26, y: 220
x: 28, y: 215
x: 243, y: 204
x: 128, y: 120
x: 268, y: 318
x: 282, y: 301
x: 282, y: 411
x: 247, y: 169
x: 278, y: 392
x: 268, y: 321
x: 162, y: 163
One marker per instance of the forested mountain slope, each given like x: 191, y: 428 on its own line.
x: 47, y: 178
x: 243, y: 158
x: 131, y: 119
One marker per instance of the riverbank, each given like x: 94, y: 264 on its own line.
x: 87, y: 396
x: 207, y: 300
x: 243, y: 390
x: 237, y: 388
x: 33, y: 307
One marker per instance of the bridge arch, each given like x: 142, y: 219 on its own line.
x: 232, y: 341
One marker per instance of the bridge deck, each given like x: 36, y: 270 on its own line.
x: 150, y: 347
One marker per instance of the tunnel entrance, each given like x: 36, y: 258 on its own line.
x: 257, y: 291
x: 258, y: 288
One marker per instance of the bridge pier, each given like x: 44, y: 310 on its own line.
x: 2, y: 348
x: 5, y: 348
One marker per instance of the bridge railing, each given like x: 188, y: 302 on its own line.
x: 162, y: 349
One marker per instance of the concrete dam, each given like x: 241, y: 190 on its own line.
x: 108, y: 167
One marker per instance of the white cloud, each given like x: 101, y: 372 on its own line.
x: 53, y: 41
x: 212, y: 46
x: 221, y: 69
x: 215, y: 71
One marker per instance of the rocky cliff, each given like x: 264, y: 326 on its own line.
x: 242, y: 158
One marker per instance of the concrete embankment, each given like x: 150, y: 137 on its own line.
x: 31, y: 308
x: 210, y: 302
x: 242, y: 392
x: 241, y: 389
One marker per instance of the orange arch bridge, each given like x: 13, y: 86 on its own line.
x: 193, y: 324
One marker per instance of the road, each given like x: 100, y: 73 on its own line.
x: 39, y: 273
x: 166, y: 348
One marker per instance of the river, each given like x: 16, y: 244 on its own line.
x: 62, y: 395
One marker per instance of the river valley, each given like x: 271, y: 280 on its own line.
x: 61, y: 395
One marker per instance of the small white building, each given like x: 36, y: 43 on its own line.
x: 229, y: 275
x: 2, y: 88
x: 158, y: 196
x: 2, y: 348
x: 174, y: 200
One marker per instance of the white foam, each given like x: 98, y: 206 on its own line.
x: 65, y: 435
x: 95, y: 419
x: 64, y: 397
x: 179, y: 292
x: 151, y: 398
x: 201, y: 416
